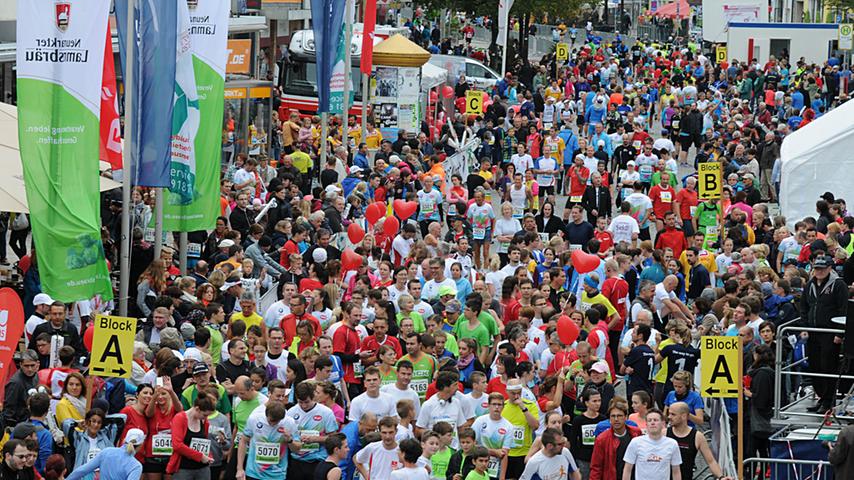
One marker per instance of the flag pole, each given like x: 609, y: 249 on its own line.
x: 158, y: 222
x: 348, y: 66
x: 124, y: 263
x: 365, y: 97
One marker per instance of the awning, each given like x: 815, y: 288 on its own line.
x: 399, y: 51
x: 679, y: 8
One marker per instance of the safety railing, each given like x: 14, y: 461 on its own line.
x: 784, y: 368
x: 786, y: 469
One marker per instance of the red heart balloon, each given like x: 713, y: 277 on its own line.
x: 355, y: 233
x: 567, y: 330
x: 405, y: 209
x: 88, y: 336
x: 584, y: 262
x: 350, y: 260
x: 391, y: 226
x: 374, y: 212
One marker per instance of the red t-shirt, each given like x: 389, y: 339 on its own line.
x: 576, y: 187
x: 615, y: 289
x: 346, y: 341
x: 370, y: 343
x: 606, y: 241
x: 673, y: 239
x: 662, y: 200
x: 289, y: 323
x: 511, y: 309
x: 136, y: 420
x: 289, y: 248
x: 496, y: 385
x: 686, y: 199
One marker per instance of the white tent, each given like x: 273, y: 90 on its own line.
x: 13, y: 196
x: 816, y: 159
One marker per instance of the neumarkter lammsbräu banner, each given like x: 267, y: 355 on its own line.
x: 60, y: 55
x: 192, y: 202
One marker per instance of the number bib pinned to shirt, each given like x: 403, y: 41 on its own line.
x: 268, y: 453
x: 161, y: 445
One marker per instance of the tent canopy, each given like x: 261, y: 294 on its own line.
x: 679, y: 8
x: 816, y: 159
x: 13, y: 195
x: 431, y: 76
x: 399, y: 51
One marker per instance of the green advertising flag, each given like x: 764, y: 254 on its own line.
x: 60, y: 50
x: 192, y: 202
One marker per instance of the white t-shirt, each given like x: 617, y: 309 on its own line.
x: 437, y: 410
x: 641, y: 204
x: 479, y: 406
x: 553, y: 468
x: 424, y: 309
x: 400, y: 248
x: 381, y: 406
x: 653, y: 458
x: 273, y: 315
x: 546, y: 179
x: 379, y: 461
x: 505, y: 226
x: 622, y: 227
x: 431, y: 288
x: 428, y: 203
x: 394, y: 294
x: 660, y: 296
x: 406, y: 394
x: 242, y: 176
x: 409, y: 473
x: 403, y: 432
x: 320, y: 420
x: 494, y: 434
x: 522, y: 162
x: 33, y: 322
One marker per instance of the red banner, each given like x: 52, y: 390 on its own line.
x: 111, y: 130
x: 370, y: 23
x: 11, y: 327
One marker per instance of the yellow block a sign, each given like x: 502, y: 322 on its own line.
x: 562, y: 51
x: 709, y: 181
x: 474, y: 102
x: 112, y: 346
x: 719, y: 375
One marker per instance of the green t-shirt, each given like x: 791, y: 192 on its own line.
x: 417, y: 321
x: 189, y: 395
x: 389, y: 378
x: 440, y: 461
x: 707, y: 215
x: 474, y: 475
x: 241, y: 411
x: 216, y: 344
x: 656, y: 179
x: 422, y: 373
x: 463, y: 329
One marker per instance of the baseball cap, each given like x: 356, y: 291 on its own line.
x: 42, y: 299
x: 193, y: 353
x: 355, y: 169
x: 230, y: 283
x: 599, y: 367
x: 334, y: 188
x: 200, y: 368
x: 319, y: 255
x: 226, y: 243
x: 447, y: 290
x: 822, y: 261
x: 23, y: 430
x: 135, y: 436
x: 631, y: 163
x: 453, y: 306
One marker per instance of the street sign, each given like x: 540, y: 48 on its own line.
x: 709, y: 180
x: 562, y: 51
x: 474, y: 102
x: 112, y: 346
x: 719, y: 376
x: 720, y: 54
x: 846, y: 36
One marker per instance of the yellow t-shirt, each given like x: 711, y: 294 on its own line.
x: 522, y: 433
x: 373, y: 139
x: 586, y: 302
x: 302, y: 161
x: 707, y: 259
x: 250, y: 321
x: 661, y: 376
x: 553, y: 92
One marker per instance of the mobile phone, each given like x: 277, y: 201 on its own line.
x: 158, y: 382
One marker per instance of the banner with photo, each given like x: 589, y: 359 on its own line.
x: 192, y: 201
x: 395, y: 94
x: 60, y: 50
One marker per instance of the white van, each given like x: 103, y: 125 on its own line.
x: 478, y: 75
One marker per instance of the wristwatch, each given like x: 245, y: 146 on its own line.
x: 524, y: 409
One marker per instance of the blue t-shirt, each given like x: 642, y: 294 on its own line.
x: 693, y: 401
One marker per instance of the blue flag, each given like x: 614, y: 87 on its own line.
x: 154, y: 87
x: 326, y: 35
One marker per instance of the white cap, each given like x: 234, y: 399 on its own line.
x: 135, y: 436
x: 330, y: 189
x: 319, y: 255
x: 355, y: 169
x: 193, y: 353
x: 226, y: 243
x: 228, y: 285
x: 42, y: 299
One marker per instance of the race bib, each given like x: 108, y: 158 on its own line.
x: 518, y: 436
x: 161, y: 445
x: 419, y: 386
x: 518, y: 212
x: 645, y: 172
x: 479, y: 234
x: 194, y: 250
x: 574, y: 246
x: 267, y: 453
x: 575, y: 199
x: 546, y: 180
x: 201, y: 445
x: 493, y: 467
x: 358, y: 369
x: 309, y: 447
x: 92, y: 453
x: 674, y: 124
x: 666, y: 197
x: 637, y: 144
x: 504, y: 245
x: 693, y: 211
x: 712, y: 230
x: 427, y: 205
x: 452, y: 209
x: 588, y: 436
